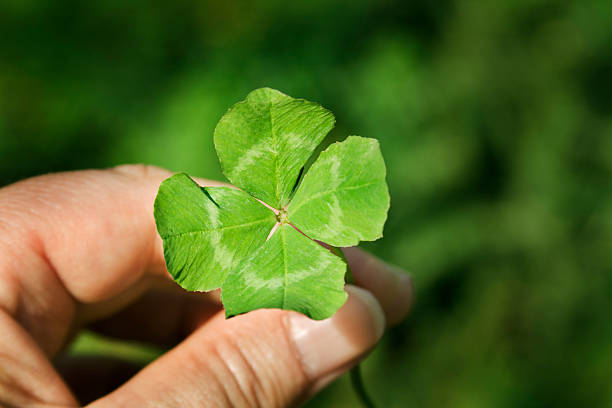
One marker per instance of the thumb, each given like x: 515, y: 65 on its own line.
x: 266, y: 358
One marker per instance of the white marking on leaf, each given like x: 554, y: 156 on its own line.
x: 222, y: 256
x: 251, y: 156
x: 335, y: 211
x: 334, y: 173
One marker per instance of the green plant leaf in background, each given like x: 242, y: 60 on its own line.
x: 220, y: 237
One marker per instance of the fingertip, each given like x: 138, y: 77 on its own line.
x: 392, y: 286
x: 329, y: 345
x: 366, y: 305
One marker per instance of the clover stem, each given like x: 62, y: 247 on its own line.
x: 355, y: 373
x: 357, y: 383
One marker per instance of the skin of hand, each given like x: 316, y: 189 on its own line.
x: 80, y: 249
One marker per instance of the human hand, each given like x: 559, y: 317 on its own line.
x: 81, y: 250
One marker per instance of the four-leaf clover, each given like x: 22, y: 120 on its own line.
x: 266, y: 256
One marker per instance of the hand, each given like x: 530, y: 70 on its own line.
x: 80, y: 250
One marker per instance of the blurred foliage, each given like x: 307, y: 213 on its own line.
x: 495, y: 119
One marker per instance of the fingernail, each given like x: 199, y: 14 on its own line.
x: 326, y: 345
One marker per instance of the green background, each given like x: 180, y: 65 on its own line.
x: 495, y: 119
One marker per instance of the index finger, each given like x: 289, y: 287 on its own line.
x: 94, y: 228
x: 69, y: 240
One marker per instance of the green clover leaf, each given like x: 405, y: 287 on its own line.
x: 221, y: 237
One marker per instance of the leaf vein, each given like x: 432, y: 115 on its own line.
x: 284, y: 301
x: 276, y: 151
x: 203, y: 231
